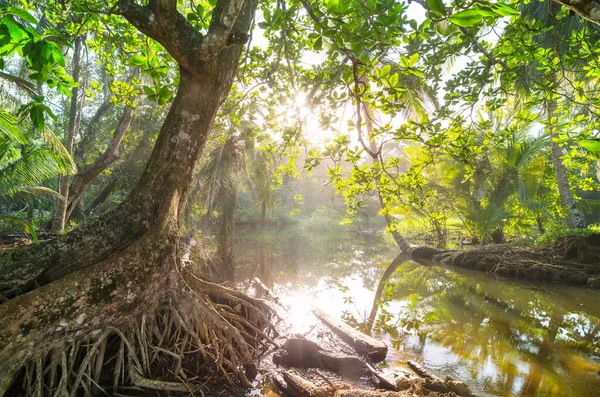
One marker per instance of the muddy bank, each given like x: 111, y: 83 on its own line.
x: 572, y: 260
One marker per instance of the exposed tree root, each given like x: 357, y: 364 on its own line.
x: 203, y: 333
x: 198, y: 332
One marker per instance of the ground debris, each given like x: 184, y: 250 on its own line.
x: 340, y: 365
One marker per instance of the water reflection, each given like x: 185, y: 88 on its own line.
x: 503, y: 337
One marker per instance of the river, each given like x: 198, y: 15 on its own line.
x: 503, y: 337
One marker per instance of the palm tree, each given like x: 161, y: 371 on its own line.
x: 28, y: 158
x: 546, y: 12
x: 218, y: 181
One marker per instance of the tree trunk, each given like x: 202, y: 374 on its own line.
x: 540, y: 224
x: 91, y: 171
x: 103, y: 195
x: 123, y: 170
x: 373, y: 151
x: 111, y: 272
x: 58, y: 222
x: 573, y: 217
x: 90, y: 134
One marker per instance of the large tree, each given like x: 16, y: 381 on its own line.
x: 115, y: 271
x: 112, y: 297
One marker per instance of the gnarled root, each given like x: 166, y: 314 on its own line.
x: 176, y: 348
x: 125, y: 324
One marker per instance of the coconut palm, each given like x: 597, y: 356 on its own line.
x: 27, y: 159
x: 555, y: 40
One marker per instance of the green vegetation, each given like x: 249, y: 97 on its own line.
x: 132, y: 131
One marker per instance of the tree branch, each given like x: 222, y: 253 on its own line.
x: 24, y: 84
x: 222, y: 32
x: 91, y: 171
x: 587, y: 9
x: 161, y: 21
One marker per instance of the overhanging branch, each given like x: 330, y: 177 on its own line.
x: 161, y: 21
x: 587, y: 9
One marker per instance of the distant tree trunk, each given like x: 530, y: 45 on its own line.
x: 263, y: 213
x: 86, y: 174
x: 90, y: 134
x: 573, y: 217
x: 122, y: 170
x: 498, y: 236
x: 58, y: 222
x: 103, y: 195
x: 540, y: 224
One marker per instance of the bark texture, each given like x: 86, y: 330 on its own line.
x: 587, y: 9
x: 114, y: 270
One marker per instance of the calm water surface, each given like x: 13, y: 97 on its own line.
x: 502, y: 337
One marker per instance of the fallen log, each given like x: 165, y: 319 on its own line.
x: 294, y: 384
x: 364, y: 345
x: 303, y: 353
x: 266, y: 290
x: 446, y: 385
x: 397, y: 380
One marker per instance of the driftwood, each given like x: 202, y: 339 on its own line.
x: 303, y: 357
x: 266, y: 291
x: 397, y: 379
x: 364, y: 345
x: 302, y: 353
x: 434, y: 383
x: 295, y: 384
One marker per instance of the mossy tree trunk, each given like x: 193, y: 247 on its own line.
x: 108, y: 273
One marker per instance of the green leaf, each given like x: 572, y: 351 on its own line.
x: 466, y: 18
x: 413, y: 59
x: 138, y: 60
x: 165, y: 93
x: 437, y: 6
x: 592, y: 144
x: 385, y: 70
x: 485, y: 11
x: 19, y: 12
x: 333, y: 5
x: 318, y: 44
x: 148, y: 90
x: 505, y: 9
x: 27, y: 227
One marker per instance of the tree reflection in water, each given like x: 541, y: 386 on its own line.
x: 503, y: 337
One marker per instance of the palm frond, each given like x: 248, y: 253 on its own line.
x: 27, y: 227
x: 35, y: 165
